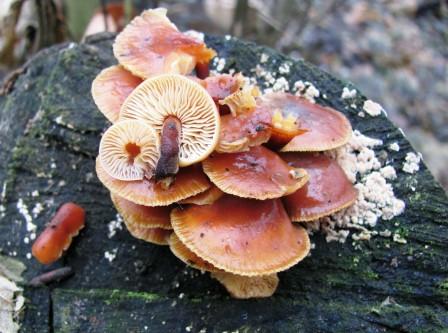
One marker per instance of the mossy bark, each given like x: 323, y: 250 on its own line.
x: 49, y: 132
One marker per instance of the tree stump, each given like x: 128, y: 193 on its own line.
x: 49, y: 134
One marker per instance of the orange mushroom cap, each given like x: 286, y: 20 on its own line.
x: 189, y: 181
x: 142, y: 216
x: 110, y: 88
x: 320, y: 128
x: 152, y: 45
x: 244, y: 287
x: 205, y: 198
x: 156, y: 236
x: 248, y: 129
x: 327, y: 191
x: 258, y: 173
x: 57, y: 236
x: 242, y: 236
x: 191, y: 259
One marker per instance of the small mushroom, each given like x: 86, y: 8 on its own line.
x: 319, y: 128
x: 249, y: 129
x: 183, y: 253
x: 242, y: 236
x: 182, y: 113
x: 258, y: 173
x: 156, y: 236
x: 244, y: 287
x: 189, y: 181
x: 142, y: 216
x: 129, y: 150
x: 151, y: 45
x: 57, y: 236
x: 327, y: 191
x: 205, y: 198
x: 242, y: 100
x: 110, y: 88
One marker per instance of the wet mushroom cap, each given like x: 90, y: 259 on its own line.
x: 156, y: 236
x: 151, y: 45
x: 247, y: 130
x: 258, y: 173
x: 205, y: 198
x: 129, y: 150
x: 327, y: 191
x: 189, y: 181
x: 322, y: 128
x: 110, y: 89
x: 244, y: 287
x: 242, y: 236
x: 173, y: 95
x: 183, y: 253
x: 142, y: 216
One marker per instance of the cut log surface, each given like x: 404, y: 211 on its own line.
x: 49, y: 133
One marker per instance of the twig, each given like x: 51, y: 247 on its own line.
x: 52, y: 276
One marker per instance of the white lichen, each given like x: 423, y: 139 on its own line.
x: 372, y: 108
x: 348, y: 94
x: 412, y: 162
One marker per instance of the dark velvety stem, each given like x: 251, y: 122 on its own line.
x: 168, y: 163
x: 202, y: 70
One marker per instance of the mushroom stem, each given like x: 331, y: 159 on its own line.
x: 168, y: 163
x: 202, y: 70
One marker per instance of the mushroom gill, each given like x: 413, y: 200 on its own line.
x: 182, y: 113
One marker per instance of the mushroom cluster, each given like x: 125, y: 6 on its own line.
x: 208, y: 165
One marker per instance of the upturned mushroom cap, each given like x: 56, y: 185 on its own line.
x: 129, y: 150
x: 142, y: 216
x: 327, y: 191
x: 258, y: 173
x: 189, y: 181
x: 249, y: 129
x: 156, y: 236
x: 205, y: 198
x: 174, y: 95
x: 151, y: 45
x: 242, y: 236
x: 242, y: 100
x: 244, y: 287
x: 110, y: 88
x: 322, y: 128
x: 183, y: 253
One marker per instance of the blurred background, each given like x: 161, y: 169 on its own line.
x: 394, y: 51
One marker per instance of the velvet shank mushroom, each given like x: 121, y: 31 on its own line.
x: 189, y: 181
x: 182, y: 113
x: 327, y: 191
x: 110, y: 88
x: 142, y: 216
x: 156, y: 236
x: 129, y: 150
x: 205, y: 198
x: 244, y: 287
x: 152, y: 45
x: 318, y: 128
x: 258, y: 173
x: 242, y: 236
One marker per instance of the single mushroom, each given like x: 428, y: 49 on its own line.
x: 182, y: 113
x: 189, y: 181
x: 110, y: 88
x: 249, y: 129
x: 242, y: 236
x: 299, y: 125
x: 242, y: 100
x: 142, y: 216
x: 156, y: 236
x: 129, y: 150
x: 58, y: 234
x: 327, y: 191
x: 244, y: 287
x: 258, y: 173
x: 183, y: 253
x: 205, y: 198
x: 151, y: 45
